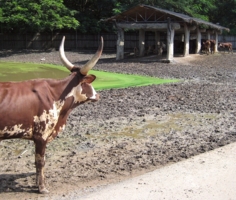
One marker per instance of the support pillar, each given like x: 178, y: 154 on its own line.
x: 216, y: 38
x: 186, y: 40
x: 120, y: 44
x: 198, y: 41
x: 170, y: 42
x: 141, y: 42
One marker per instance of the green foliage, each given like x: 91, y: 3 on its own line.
x: 36, y: 16
x: 195, y: 8
x: 90, y: 14
x: 225, y: 14
x: 1, y: 18
x: 202, y: 9
x: 86, y: 15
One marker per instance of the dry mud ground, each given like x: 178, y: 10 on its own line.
x: 129, y: 131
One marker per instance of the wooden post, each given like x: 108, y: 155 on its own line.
x: 170, y: 42
x: 198, y: 41
x: 120, y: 44
x: 141, y: 42
x: 186, y: 40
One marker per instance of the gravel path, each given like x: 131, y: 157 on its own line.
x: 129, y: 131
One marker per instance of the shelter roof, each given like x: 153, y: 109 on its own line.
x: 151, y: 14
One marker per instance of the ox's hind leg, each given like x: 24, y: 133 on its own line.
x: 40, y: 146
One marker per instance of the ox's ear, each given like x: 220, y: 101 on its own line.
x: 89, y: 78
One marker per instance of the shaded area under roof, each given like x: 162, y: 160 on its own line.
x: 151, y: 14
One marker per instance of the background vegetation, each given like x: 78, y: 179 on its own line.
x: 21, y: 16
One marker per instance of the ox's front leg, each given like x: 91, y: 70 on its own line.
x: 40, y: 146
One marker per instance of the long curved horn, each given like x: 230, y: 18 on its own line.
x: 64, y: 60
x: 91, y: 63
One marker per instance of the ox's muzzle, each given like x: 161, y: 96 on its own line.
x: 95, y: 98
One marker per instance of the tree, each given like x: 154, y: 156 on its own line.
x: 90, y: 13
x: 225, y: 14
x: 1, y: 19
x: 36, y: 16
x: 195, y: 8
x: 86, y: 15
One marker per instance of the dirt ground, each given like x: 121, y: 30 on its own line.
x: 129, y: 131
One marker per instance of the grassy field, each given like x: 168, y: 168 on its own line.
x: 10, y: 71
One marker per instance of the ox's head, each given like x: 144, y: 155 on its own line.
x: 83, y: 91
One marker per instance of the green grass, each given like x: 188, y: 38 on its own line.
x: 10, y: 71
x: 107, y: 80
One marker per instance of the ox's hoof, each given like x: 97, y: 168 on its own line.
x: 43, y: 190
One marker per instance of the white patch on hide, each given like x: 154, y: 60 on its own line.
x: 15, y: 130
x: 76, y: 93
x: 54, y: 111
x: 57, y: 106
x: 94, y: 93
x: 50, y: 119
x: 63, y: 127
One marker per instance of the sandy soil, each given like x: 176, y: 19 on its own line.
x: 209, y: 175
x: 129, y: 131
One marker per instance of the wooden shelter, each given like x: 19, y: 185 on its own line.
x: 148, y: 18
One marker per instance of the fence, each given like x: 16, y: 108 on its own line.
x: 78, y: 41
x: 52, y: 41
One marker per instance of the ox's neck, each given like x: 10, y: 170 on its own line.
x: 61, y: 88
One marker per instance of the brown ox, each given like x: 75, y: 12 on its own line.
x: 225, y: 46
x: 209, y: 46
x: 212, y: 46
x: 38, y: 109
